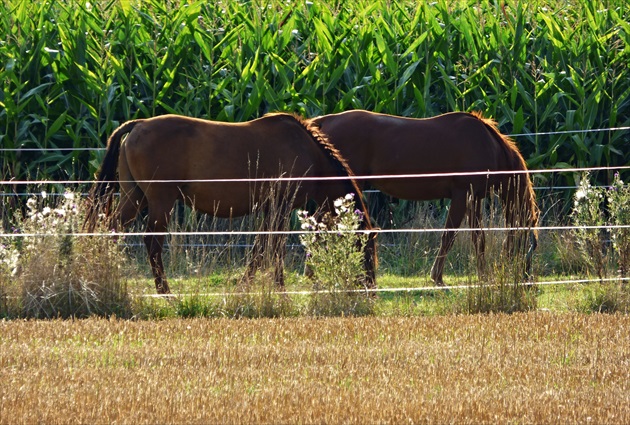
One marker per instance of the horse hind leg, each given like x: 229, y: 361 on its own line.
x: 456, y: 213
x: 132, y: 201
x: 154, y: 240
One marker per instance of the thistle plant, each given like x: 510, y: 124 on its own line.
x: 62, y: 274
x: 587, y: 215
x: 598, y: 207
x: 9, y: 257
x: 618, y: 197
x: 334, y: 257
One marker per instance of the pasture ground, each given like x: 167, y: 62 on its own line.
x: 537, y: 367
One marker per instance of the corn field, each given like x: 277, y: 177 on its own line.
x: 71, y: 71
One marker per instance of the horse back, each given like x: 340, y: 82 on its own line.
x: 378, y: 144
x: 454, y: 141
x: 189, y: 151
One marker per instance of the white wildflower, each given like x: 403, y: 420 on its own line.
x: 31, y: 204
x: 580, y: 194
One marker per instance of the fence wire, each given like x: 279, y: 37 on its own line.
x: 323, y: 179
x: 378, y: 231
x: 543, y: 133
x: 393, y: 290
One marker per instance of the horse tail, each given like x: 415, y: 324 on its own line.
x: 102, y: 192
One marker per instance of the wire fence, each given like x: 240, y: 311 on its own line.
x: 488, y: 173
x: 288, y: 179
x: 414, y: 289
x: 301, y: 232
x: 298, y: 179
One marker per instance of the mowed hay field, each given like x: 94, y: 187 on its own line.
x: 522, y: 368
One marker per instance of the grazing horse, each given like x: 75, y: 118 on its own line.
x: 378, y: 145
x: 172, y: 157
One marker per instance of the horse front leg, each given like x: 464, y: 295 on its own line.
x: 278, y: 241
x: 278, y: 252
x: 530, y: 253
x: 154, y: 247
x: 456, y: 213
x: 369, y: 258
x: 269, y: 247
x: 255, y: 262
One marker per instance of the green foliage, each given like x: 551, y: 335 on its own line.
x: 606, y: 298
x: 72, y: 71
x: 594, y: 208
x: 619, y: 207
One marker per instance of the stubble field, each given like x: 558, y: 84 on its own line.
x: 521, y: 368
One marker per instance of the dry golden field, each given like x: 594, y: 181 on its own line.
x: 522, y: 368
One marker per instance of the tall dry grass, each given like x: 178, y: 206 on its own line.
x: 520, y: 368
x: 54, y: 273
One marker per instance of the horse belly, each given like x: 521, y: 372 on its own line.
x: 417, y: 189
x: 219, y: 199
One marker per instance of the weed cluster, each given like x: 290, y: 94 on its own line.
x: 48, y: 272
x: 594, y: 208
x: 334, y: 258
x: 502, y: 283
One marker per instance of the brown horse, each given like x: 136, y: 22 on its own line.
x: 378, y: 145
x: 167, y: 158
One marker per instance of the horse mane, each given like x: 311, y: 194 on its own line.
x: 516, y: 161
x: 340, y: 162
x: 322, y: 140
